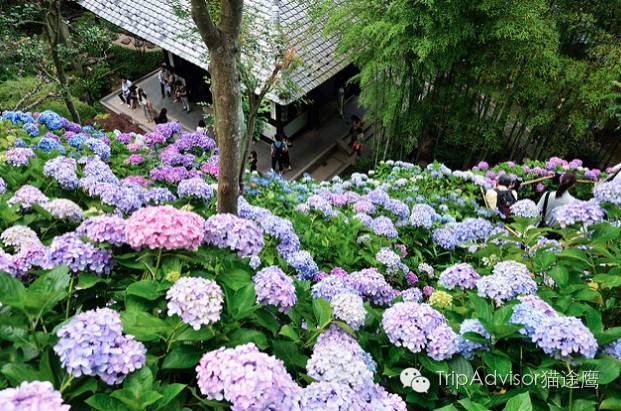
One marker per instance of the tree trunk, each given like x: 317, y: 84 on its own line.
x: 229, y: 123
x: 53, y: 26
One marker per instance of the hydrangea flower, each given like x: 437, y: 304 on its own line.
x: 196, y: 300
x: 330, y: 396
x: 372, y: 286
x: 383, y: 226
x: 391, y: 260
x: 330, y: 286
x: 238, y: 234
x: 20, y: 237
x: 459, y: 275
x: 68, y: 249
x: 274, y: 287
x: 468, y: 347
x: 614, y: 349
x: 338, y: 358
x: 247, y: 378
x: 2, y: 186
x: 440, y: 299
x: 508, y: 280
x: 32, y: 396
x: 195, y: 187
x: 64, y: 209
x: 583, y: 212
x: 531, y: 313
x: 47, y: 145
x: 562, y: 337
x: 93, y: 344
x: 423, y: 215
x: 105, y: 228
x: 19, y: 156
x: 608, y: 192
x: 412, y: 325
x: 427, y: 269
x: 63, y: 170
x: 525, y: 208
x: 51, y: 120
x: 164, y: 227
x: 349, y: 307
x: 303, y: 263
x: 159, y: 196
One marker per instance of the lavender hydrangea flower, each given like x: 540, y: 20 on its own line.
x: 32, y: 396
x: 583, y: 212
x: 509, y: 280
x: 423, y: 215
x: 329, y: 287
x: 412, y: 295
x: 561, y: 337
x: 363, y: 206
x: 459, y: 275
x: 247, y: 378
x: 64, y: 209
x: 525, y: 208
x: 349, y: 307
x: 68, y: 249
x: 531, y: 313
x: 303, y: 263
x: 18, y: 157
x: 20, y: 237
x: 427, y: 269
x: 384, y: 226
x: 105, y: 228
x: 93, y: 344
x: 468, y: 347
x: 195, y: 187
x: 391, y: 260
x: 416, y: 326
x: 614, y: 349
x: 338, y: 358
x: 329, y: 396
x: 159, y: 196
x: 238, y: 234
x: 63, y: 170
x: 608, y: 192
x: 197, y: 301
x: 274, y: 287
x: 372, y: 286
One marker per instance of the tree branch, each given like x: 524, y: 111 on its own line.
x: 207, y: 29
x: 231, y: 17
x: 28, y: 95
x: 39, y: 101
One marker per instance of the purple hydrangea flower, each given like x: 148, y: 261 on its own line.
x: 423, y: 215
x: 525, y: 208
x: 93, y: 344
x: 196, y: 300
x: 105, y: 228
x: 531, y: 313
x: 412, y: 295
x: 372, y: 286
x: 427, y: 269
x: 584, y: 212
x: 468, y: 347
x: 2, y: 186
x: 509, y: 280
x: 27, y: 195
x: 20, y: 237
x: 459, y: 275
x: 329, y: 287
x: 303, y: 262
x: 391, y: 260
x: 159, y: 196
x: 63, y: 170
x: 19, y: 156
x: 238, y: 234
x: 614, y: 349
x: 195, y: 187
x: 608, y: 192
x: 247, y: 378
x: 64, y: 209
x: 330, y: 396
x: 68, y: 249
x: 274, y: 287
x: 32, y: 396
x: 561, y: 337
x: 349, y: 307
x: 443, y: 343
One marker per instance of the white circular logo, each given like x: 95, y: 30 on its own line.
x: 411, y: 377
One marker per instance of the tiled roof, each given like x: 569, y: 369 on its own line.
x: 157, y: 22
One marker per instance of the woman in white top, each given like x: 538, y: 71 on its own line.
x: 554, y: 199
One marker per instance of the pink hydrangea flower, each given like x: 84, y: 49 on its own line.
x: 165, y: 227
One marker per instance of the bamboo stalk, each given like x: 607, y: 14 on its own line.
x: 537, y: 180
x: 484, y: 198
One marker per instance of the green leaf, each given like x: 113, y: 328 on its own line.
x: 243, y: 302
x: 77, y: 389
x: 16, y: 373
x: 498, y: 363
x: 235, y: 279
x: 136, y: 400
x: 520, y: 402
x: 47, y: 291
x: 470, y: 405
x: 12, y: 291
x: 323, y: 311
x: 143, y: 326
x: 185, y: 356
x: 245, y: 335
x: 483, y: 310
x: 602, y: 371
x: 289, y: 352
x: 288, y: 331
x: 461, y: 366
x: 102, y: 402
x: 610, y: 404
x: 438, y: 367
x: 607, y: 280
x: 560, y: 275
x: 189, y: 334
x: 140, y: 380
x: 449, y: 407
x: 87, y: 280
x: 147, y: 289
x: 169, y: 392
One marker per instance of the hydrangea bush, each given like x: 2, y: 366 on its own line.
x: 121, y: 288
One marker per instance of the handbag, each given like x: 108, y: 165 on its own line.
x: 542, y: 223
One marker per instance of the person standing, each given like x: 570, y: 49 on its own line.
x: 170, y: 83
x: 252, y: 161
x: 145, y: 103
x: 555, y: 199
x: 125, y: 90
x: 182, y: 91
x: 162, y: 117
x: 501, y: 197
x: 162, y: 76
x: 340, y: 101
x: 277, y: 151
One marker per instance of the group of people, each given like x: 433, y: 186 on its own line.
x: 505, y: 194
x: 173, y: 87
x: 280, y: 153
x: 170, y: 86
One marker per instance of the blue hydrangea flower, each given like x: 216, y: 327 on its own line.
x: 468, y: 347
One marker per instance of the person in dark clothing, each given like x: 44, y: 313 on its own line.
x: 356, y: 132
x: 162, y: 117
x: 277, y: 151
x: 252, y: 161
